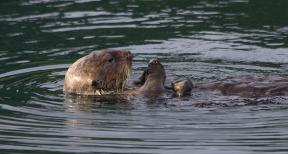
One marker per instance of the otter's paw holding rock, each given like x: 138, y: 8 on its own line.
x: 182, y: 87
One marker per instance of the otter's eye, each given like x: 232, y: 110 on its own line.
x: 111, y: 60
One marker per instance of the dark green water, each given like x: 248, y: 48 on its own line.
x: 199, y: 39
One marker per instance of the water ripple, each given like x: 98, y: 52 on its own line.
x: 90, y: 28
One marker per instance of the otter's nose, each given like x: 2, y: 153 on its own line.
x: 154, y: 61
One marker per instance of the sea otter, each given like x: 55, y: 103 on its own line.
x: 105, y: 72
x: 100, y: 72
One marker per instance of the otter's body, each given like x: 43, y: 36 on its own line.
x: 100, y: 72
x: 249, y: 86
x: 105, y: 72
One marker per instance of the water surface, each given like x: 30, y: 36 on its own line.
x: 205, y: 40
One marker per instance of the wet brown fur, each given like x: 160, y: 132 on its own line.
x: 248, y: 86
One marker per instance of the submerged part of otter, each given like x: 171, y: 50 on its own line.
x: 248, y: 86
x: 100, y: 72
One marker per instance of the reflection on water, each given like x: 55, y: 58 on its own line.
x: 204, y: 40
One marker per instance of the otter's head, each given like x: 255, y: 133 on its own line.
x: 113, y: 69
x: 155, y: 70
x: 99, y: 72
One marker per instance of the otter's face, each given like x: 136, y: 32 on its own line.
x: 114, y: 71
x: 156, y: 69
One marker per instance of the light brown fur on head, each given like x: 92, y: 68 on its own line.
x: 99, y: 72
